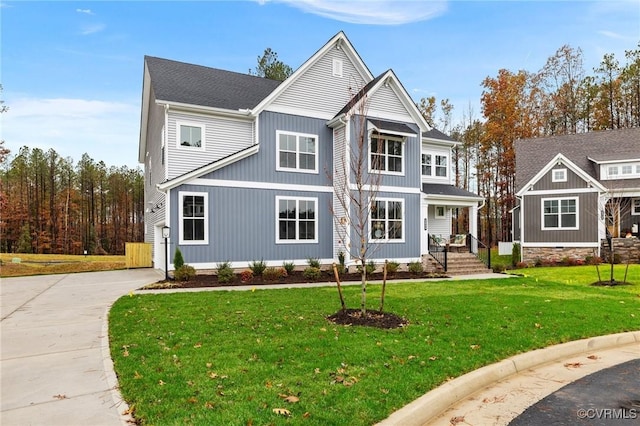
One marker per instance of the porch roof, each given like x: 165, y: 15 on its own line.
x: 449, y: 194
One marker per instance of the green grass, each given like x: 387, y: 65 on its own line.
x: 231, y: 357
x: 21, y: 264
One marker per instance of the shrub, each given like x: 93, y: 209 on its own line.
x: 246, y: 275
x: 521, y: 265
x: 289, y: 267
x: 416, y: 267
x: 225, y: 272
x: 184, y: 273
x: 341, y: 258
x: 178, y: 260
x: 515, y: 254
x: 313, y: 262
x: 273, y: 274
x: 593, y: 260
x: 392, y: 267
x: 257, y: 267
x: 370, y: 268
x: 312, y: 273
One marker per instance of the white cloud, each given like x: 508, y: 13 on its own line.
x: 373, y: 12
x: 107, y: 131
x: 92, y: 29
x: 85, y: 11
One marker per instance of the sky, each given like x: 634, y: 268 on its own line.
x: 72, y: 71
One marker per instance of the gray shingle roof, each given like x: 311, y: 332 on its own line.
x: 449, y: 190
x: 391, y: 126
x: 198, y: 85
x: 437, y: 134
x: 533, y: 154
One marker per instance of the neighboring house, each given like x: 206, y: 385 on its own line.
x: 574, y: 190
x: 242, y: 168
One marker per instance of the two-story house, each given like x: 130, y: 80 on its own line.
x: 575, y: 190
x: 241, y: 168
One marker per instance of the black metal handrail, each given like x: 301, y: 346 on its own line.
x: 438, y: 251
x: 482, y: 252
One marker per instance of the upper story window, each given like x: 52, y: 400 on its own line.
x: 559, y: 175
x: 190, y: 135
x: 297, y: 152
x: 635, y: 206
x: 560, y: 213
x: 296, y: 220
x: 193, y: 218
x: 387, y: 153
x: 435, y: 165
x: 630, y: 170
x: 386, y: 220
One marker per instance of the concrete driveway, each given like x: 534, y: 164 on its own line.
x: 54, y: 347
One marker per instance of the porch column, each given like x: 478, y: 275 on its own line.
x: 473, y: 227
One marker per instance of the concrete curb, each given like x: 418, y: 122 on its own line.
x: 429, y: 406
x: 110, y: 375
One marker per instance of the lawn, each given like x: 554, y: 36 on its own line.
x: 21, y: 264
x: 233, y: 358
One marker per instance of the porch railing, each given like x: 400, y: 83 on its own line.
x: 438, y: 251
x: 477, y: 247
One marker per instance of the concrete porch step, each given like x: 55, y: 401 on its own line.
x: 458, y: 264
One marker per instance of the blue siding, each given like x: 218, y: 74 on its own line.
x: 242, y: 227
x: 262, y: 167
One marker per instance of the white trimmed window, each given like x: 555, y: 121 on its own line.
x: 387, y: 153
x: 297, y: 152
x: 435, y: 165
x: 296, y: 220
x: 635, y: 206
x: 190, y: 135
x: 559, y: 175
x: 386, y: 222
x: 440, y: 212
x: 560, y: 213
x: 194, y: 218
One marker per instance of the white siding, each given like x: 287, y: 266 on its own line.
x: 318, y: 93
x: 439, y: 226
x: 386, y: 103
x: 222, y: 137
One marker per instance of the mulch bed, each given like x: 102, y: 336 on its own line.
x: 376, y: 319
x: 296, y: 277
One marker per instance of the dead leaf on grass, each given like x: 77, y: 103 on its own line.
x: 282, y: 412
x: 137, y: 375
x: 289, y: 398
x: 306, y: 415
x: 161, y: 382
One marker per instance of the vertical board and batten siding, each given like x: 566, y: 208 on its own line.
x: 262, y: 166
x: 222, y: 137
x: 411, y: 163
x: 385, y: 103
x: 587, y: 217
x: 339, y: 185
x: 410, y: 248
x: 545, y: 183
x: 242, y: 227
x: 319, y: 91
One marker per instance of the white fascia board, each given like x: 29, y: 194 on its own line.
x: 338, y: 41
x: 223, y: 183
x: 560, y: 159
x: 441, y: 142
x: 385, y: 188
x: 208, y: 169
x: 622, y: 160
x: 144, y: 114
x: 452, y: 200
x: 561, y: 191
x: 243, y: 113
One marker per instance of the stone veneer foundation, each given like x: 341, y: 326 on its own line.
x: 624, y: 250
x: 555, y: 254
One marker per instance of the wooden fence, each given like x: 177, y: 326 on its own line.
x: 138, y: 255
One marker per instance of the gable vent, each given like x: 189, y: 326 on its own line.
x: 337, y: 67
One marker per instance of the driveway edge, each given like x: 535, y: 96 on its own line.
x: 435, y: 402
x: 110, y: 374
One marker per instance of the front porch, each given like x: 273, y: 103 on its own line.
x: 450, y: 228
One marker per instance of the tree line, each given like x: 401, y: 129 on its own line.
x: 559, y: 99
x: 50, y: 205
